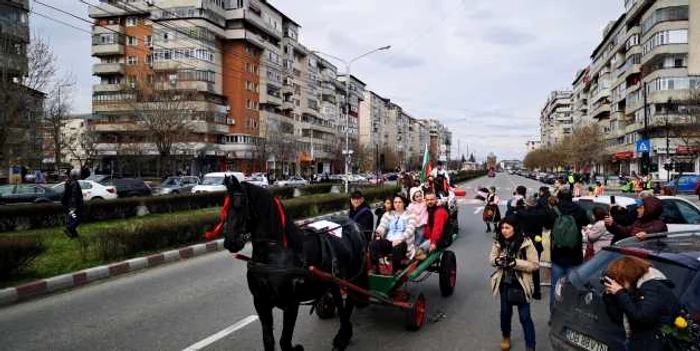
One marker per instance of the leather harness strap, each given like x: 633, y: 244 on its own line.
x: 283, y: 218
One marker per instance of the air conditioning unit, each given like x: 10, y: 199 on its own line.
x: 230, y: 121
x: 228, y: 108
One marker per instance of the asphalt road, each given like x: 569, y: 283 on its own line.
x: 177, y: 306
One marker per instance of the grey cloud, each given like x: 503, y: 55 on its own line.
x: 404, y: 61
x: 508, y: 36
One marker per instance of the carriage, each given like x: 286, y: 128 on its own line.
x: 389, y: 289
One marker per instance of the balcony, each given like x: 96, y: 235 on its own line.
x: 166, y: 65
x: 107, y: 10
x: 270, y: 99
x: 287, y: 105
x: 105, y: 88
x: 602, y: 111
x: 669, y: 49
x: 209, y: 127
x: 13, y: 29
x: 107, y: 50
x: 108, y: 29
x: 99, y: 69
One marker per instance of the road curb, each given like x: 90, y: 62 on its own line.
x: 24, y: 292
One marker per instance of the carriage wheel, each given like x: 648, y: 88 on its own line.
x: 415, y: 316
x: 325, y: 307
x: 448, y: 273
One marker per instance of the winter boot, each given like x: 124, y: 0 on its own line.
x: 505, y: 344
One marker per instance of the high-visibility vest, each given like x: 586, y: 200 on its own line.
x: 572, y: 180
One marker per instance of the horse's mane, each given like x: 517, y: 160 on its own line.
x: 265, y: 212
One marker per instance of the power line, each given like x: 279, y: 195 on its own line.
x: 60, y: 22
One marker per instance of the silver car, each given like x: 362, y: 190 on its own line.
x: 176, y: 185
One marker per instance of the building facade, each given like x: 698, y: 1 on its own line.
x: 556, y: 118
x: 644, y: 72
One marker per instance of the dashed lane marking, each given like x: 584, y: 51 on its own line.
x: 222, y: 334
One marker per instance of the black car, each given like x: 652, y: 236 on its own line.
x: 129, y: 187
x: 579, y: 318
x: 27, y: 193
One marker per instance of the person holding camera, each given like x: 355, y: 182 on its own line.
x: 641, y: 298
x: 515, y: 258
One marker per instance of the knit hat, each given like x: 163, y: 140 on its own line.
x: 413, y: 192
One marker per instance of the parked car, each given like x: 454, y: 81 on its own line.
x: 130, y: 187
x: 678, y: 213
x: 392, y: 177
x: 91, y: 190
x: 685, y: 183
x: 101, y: 178
x: 213, y: 182
x: 292, y: 181
x: 27, y: 193
x: 176, y: 185
x: 579, y: 319
x: 259, y: 180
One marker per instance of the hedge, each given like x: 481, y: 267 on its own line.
x: 35, y: 216
x: 111, y: 241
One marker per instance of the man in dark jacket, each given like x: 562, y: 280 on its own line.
x: 648, y: 221
x: 532, y: 220
x: 543, y: 199
x: 73, y: 203
x: 361, y: 213
x: 564, y: 259
x: 517, y: 202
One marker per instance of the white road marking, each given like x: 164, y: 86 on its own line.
x: 222, y: 334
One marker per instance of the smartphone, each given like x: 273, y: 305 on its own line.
x: 612, y: 199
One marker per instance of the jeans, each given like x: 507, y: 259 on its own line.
x: 557, y: 272
x: 523, y: 314
x: 72, y: 222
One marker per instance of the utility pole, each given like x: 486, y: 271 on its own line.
x: 645, y: 134
x: 668, y: 149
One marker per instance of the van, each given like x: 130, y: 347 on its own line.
x: 213, y: 182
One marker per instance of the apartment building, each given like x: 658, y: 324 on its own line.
x: 440, y: 140
x: 556, y: 118
x: 642, y: 74
x: 532, y: 145
x: 579, y: 98
x: 22, y: 106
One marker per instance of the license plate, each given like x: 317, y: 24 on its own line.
x: 584, y: 341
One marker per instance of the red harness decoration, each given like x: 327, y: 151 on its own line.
x: 220, y: 226
x: 283, y: 218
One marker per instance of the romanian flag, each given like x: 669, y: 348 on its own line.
x: 426, y: 165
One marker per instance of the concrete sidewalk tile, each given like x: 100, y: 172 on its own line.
x: 154, y: 260
x: 60, y: 282
x: 118, y: 268
x: 32, y: 289
x: 186, y: 252
x: 137, y: 263
x: 96, y: 273
x: 199, y: 249
x: 8, y: 296
x: 171, y: 256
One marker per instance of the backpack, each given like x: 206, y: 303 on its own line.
x: 565, y: 233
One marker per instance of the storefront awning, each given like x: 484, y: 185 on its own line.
x: 624, y: 155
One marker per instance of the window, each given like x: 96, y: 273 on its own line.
x: 248, y: 85
x: 131, y: 21
x: 251, y: 105
x: 666, y: 38
x: 132, y: 41
x: 131, y: 60
x: 690, y: 214
x: 148, y: 40
x: 248, y: 67
x: 676, y: 13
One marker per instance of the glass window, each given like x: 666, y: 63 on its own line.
x: 131, y: 21
x: 85, y: 185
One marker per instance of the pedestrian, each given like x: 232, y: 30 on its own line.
x: 578, y: 189
x: 72, y: 202
x: 395, y: 235
x: 568, y: 220
x: 361, y: 214
x: 385, y: 207
x: 571, y: 180
x: 429, y: 185
x: 440, y: 170
x: 515, y: 259
x: 543, y: 196
x: 648, y: 221
x: 596, y: 236
x: 517, y: 202
x: 599, y: 189
x: 492, y: 213
x: 641, y: 298
x: 533, y: 219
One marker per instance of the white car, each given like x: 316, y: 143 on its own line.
x: 213, y: 182
x: 292, y: 181
x: 91, y: 190
x: 679, y: 214
x: 259, y: 180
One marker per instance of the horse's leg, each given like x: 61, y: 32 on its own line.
x: 264, y: 310
x: 342, y: 339
x: 290, y: 319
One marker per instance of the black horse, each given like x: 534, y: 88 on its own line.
x: 278, y: 273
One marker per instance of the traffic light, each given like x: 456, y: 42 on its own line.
x: 668, y: 166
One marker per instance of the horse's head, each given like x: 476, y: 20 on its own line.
x: 237, y: 217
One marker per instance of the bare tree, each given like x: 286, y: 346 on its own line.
x: 57, y: 107
x: 82, y: 146
x: 163, y: 112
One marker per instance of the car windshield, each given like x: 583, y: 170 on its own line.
x: 6, y: 189
x: 170, y: 182
x: 213, y: 181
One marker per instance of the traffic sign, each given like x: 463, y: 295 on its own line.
x: 642, y: 146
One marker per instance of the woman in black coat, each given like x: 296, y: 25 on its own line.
x: 361, y: 213
x: 641, y: 298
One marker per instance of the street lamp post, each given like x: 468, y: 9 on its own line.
x: 668, y: 150
x: 348, y: 152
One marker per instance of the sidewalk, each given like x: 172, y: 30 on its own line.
x: 71, y: 280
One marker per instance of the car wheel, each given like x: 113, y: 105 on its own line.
x: 174, y: 192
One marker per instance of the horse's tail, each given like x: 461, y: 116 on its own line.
x: 218, y: 230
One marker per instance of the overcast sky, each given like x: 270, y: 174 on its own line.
x: 482, y: 67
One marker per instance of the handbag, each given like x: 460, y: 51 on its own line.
x: 516, y: 294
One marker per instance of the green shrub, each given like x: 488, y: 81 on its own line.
x: 17, y: 252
